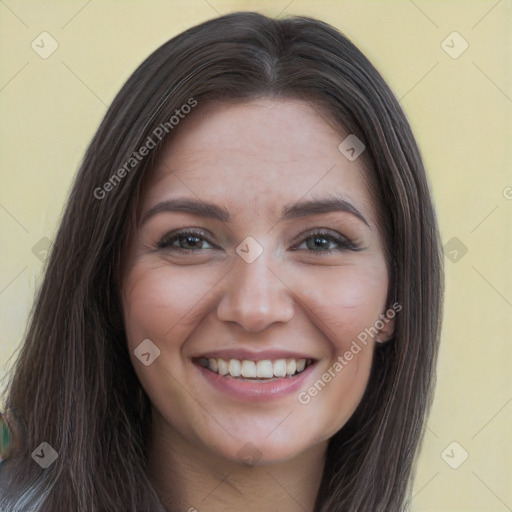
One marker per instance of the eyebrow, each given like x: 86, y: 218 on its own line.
x: 192, y: 206
x: 327, y: 204
x: 303, y: 208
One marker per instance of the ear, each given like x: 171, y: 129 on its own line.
x: 386, y: 324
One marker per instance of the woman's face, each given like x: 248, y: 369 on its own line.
x: 258, y: 248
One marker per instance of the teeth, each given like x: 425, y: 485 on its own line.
x: 291, y: 366
x: 223, y: 367
x: 280, y: 368
x: 235, y: 368
x: 248, y: 369
x: 265, y: 369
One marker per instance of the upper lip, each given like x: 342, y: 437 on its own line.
x: 241, y: 354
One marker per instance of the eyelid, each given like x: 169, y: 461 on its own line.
x: 174, y: 235
x: 343, y: 240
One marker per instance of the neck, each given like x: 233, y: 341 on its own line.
x: 191, y: 478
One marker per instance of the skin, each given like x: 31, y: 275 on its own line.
x: 253, y: 159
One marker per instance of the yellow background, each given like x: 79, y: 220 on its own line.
x: 460, y: 110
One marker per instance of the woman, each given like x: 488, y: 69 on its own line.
x: 242, y: 305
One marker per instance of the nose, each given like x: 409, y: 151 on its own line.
x: 255, y: 297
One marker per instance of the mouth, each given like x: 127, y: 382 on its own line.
x: 264, y: 370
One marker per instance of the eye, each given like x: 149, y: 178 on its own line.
x: 185, y: 241
x: 326, y: 242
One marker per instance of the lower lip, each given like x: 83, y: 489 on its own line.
x: 253, y: 390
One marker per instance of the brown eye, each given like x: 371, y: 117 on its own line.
x: 319, y: 243
x: 185, y: 240
x: 326, y: 242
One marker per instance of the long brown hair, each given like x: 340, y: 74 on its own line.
x: 73, y: 385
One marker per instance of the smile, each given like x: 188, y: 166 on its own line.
x: 265, y: 369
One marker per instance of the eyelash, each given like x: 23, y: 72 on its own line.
x: 343, y: 242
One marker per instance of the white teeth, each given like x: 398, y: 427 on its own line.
x: 264, y: 369
x: 248, y: 369
x: 291, y: 366
x: 223, y: 367
x: 280, y: 368
x: 235, y: 368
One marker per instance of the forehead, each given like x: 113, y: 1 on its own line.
x: 262, y: 152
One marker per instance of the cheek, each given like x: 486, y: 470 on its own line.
x: 343, y: 302
x: 346, y: 301
x: 161, y: 303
